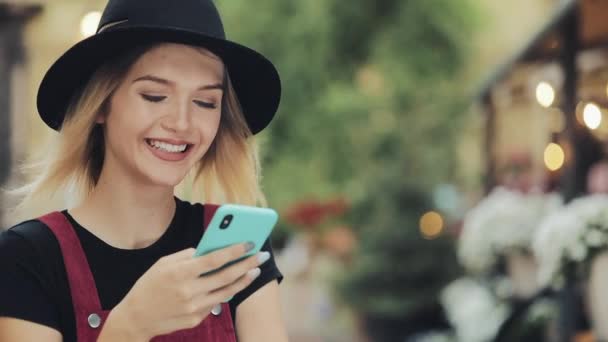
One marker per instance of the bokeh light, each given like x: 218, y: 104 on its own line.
x: 89, y: 23
x: 554, y: 157
x: 592, y: 115
x: 431, y: 225
x: 545, y: 95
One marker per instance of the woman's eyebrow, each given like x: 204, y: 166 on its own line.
x: 163, y: 81
x: 212, y: 86
x: 153, y: 79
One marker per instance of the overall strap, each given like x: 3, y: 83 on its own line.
x: 82, y: 284
x: 210, y: 210
x: 85, y: 299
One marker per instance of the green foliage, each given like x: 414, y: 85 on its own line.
x: 366, y: 84
x: 397, y: 271
x: 372, y: 104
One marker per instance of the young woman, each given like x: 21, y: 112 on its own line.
x: 157, y: 98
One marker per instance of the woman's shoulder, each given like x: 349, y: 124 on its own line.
x: 31, y: 237
x: 29, y: 258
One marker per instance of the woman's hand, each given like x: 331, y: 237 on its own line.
x: 172, y: 295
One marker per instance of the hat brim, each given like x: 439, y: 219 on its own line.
x: 254, y: 78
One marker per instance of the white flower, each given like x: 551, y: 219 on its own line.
x: 543, y: 309
x: 503, y: 221
x: 578, y: 251
x: 472, y: 310
x: 595, y: 238
x: 433, y: 336
x: 568, y: 234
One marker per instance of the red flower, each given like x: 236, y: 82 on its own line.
x: 312, y: 213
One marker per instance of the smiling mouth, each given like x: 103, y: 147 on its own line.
x: 167, y: 147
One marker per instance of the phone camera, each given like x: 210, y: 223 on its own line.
x: 226, y: 222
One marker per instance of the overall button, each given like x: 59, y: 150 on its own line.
x: 217, y: 310
x: 94, y: 320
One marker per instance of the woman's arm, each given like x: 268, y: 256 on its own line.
x: 13, y: 329
x: 259, y: 317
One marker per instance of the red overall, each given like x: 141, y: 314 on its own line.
x: 89, y: 315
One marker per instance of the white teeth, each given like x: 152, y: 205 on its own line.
x: 167, y: 147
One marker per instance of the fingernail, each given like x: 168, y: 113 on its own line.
x: 249, y: 246
x: 254, y: 273
x: 263, y: 257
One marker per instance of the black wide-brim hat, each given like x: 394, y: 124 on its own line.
x: 128, y: 23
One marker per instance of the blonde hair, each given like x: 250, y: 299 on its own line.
x: 68, y: 170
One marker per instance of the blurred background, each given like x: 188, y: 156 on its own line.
x: 439, y: 165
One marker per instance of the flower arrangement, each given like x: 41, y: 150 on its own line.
x: 473, y: 310
x: 568, y: 239
x: 477, y: 312
x: 502, y: 222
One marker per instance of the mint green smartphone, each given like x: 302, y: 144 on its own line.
x: 234, y: 224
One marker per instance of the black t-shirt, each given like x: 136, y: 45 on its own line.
x: 33, y: 281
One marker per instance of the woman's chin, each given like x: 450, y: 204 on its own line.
x: 166, y: 180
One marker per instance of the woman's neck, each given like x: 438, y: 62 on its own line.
x: 124, y: 214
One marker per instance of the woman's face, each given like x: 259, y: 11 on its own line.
x: 165, y: 114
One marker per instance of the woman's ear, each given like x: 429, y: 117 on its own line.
x: 101, y: 118
x: 103, y: 113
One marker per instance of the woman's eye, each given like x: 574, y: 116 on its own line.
x: 153, y: 98
x: 203, y: 104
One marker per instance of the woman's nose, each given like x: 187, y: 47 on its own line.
x: 178, y: 120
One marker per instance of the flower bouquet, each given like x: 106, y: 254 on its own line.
x: 571, y: 245
x: 568, y: 239
x: 503, y: 222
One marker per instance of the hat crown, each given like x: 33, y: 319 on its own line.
x: 193, y: 15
